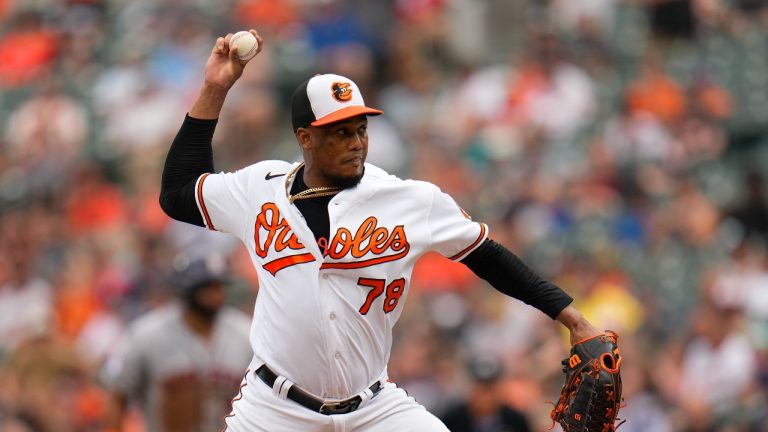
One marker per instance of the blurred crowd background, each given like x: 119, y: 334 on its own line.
x: 620, y: 147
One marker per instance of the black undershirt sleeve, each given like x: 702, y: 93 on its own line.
x: 508, y: 274
x: 190, y: 156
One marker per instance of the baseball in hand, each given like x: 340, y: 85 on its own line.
x: 246, y: 44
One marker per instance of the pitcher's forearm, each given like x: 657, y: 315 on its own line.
x: 209, y: 102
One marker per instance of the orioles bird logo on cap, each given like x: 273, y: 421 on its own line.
x: 342, y: 91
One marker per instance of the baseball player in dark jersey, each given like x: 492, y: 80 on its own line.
x: 333, y: 240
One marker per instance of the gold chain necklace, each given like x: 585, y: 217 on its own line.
x: 315, y: 192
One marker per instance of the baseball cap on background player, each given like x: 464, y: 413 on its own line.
x: 325, y: 99
x: 192, y: 275
x: 485, y: 368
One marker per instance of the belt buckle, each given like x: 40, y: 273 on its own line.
x: 339, y: 407
x: 329, y: 407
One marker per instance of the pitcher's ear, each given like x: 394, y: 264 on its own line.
x: 304, y: 137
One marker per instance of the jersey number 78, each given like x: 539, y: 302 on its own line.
x: 393, y: 292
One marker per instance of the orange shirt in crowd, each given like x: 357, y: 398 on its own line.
x: 658, y: 94
x: 273, y: 14
x: 95, y: 206
x: 24, y: 56
x: 433, y: 272
x: 74, y: 307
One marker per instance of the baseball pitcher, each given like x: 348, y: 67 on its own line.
x: 334, y: 241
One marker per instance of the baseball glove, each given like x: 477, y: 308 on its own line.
x: 591, y: 397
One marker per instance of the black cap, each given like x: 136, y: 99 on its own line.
x: 199, y: 273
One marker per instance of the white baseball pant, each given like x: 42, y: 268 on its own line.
x: 258, y: 409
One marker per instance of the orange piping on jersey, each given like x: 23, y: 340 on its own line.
x: 470, y: 247
x: 275, y: 266
x: 366, y: 263
x: 235, y: 399
x: 208, y: 222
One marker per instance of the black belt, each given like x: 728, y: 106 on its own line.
x: 317, y: 405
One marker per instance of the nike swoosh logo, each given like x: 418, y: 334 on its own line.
x: 270, y: 176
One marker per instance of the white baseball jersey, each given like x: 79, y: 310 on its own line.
x: 324, y: 317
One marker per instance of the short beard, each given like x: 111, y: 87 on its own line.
x: 206, y: 313
x: 346, y: 182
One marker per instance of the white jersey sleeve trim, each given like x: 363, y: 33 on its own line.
x: 468, y: 250
x: 201, y: 202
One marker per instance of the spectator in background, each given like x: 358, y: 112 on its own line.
x: 93, y: 204
x: 47, y: 132
x: 717, y: 366
x: 27, y: 51
x: 270, y: 15
x: 752, y: 211
x: 81, y: 37
x: 182, y: 362
x: 611, y: 304
x: 655, y: 92
x: 644, y: 411
x: 20, y: 288
x: 693, y: 216
x: 595, y: 16
x: 484, y: 409
x: 709, y: 99
x: 742, y: 283
x: 699, y: 133
x: 51, y: 389
x: 545, y: 83
x: 672, y: 19
x: 142, y: 119
x: 332, y: 24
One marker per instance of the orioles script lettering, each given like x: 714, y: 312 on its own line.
x: 368, y: 238
x: 278, y: 231
x: 272, y: 232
